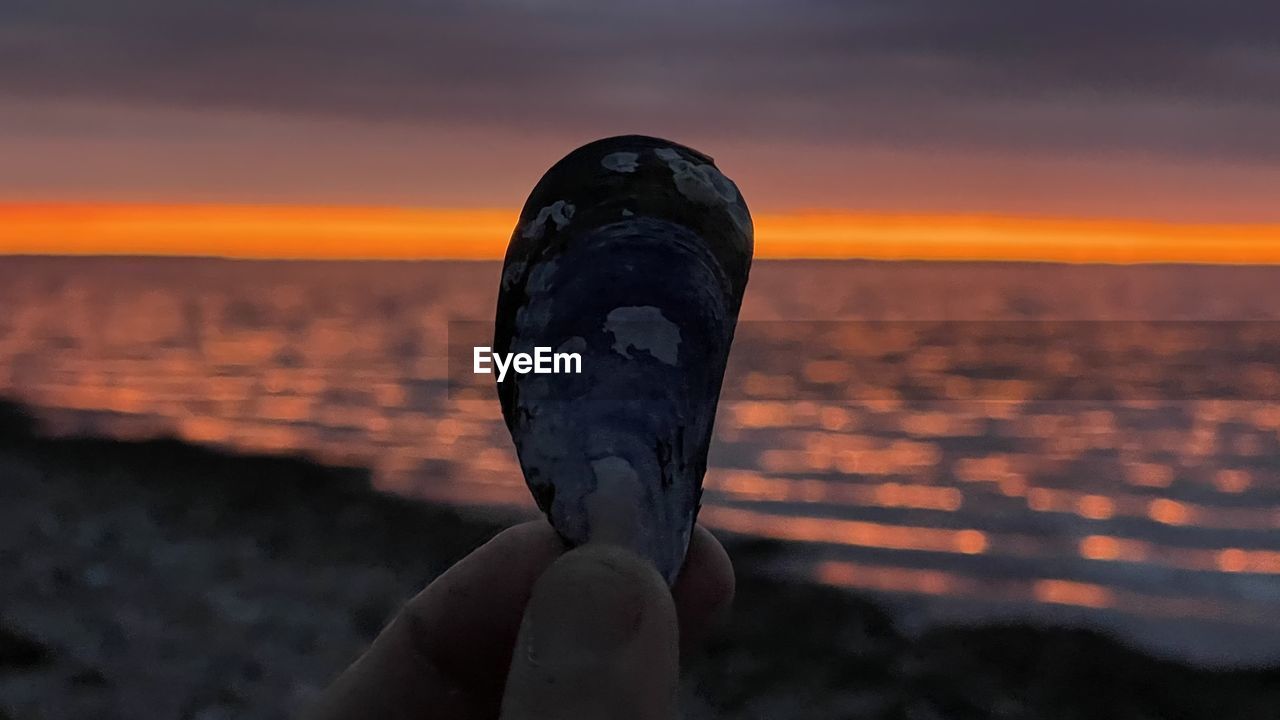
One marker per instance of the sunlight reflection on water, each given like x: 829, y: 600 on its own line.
x: 985, y: 494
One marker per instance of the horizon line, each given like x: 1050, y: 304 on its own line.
x: 363, y: 232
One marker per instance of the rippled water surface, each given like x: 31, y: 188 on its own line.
x: 1093, y: 445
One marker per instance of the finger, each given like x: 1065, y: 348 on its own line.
x: 599, y: 640
x: 447, y: 652
x: 704, y: 589
x: 469, y: 626
x: 450, y: 646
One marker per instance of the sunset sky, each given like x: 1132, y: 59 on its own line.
x: 236, y: 127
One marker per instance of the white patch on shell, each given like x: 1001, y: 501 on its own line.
x: 643, y: 328
x: 627, y: 213
x: 511, y: 274
x: 704, y: 184
x: 613, y: 508
x: 531, y: 320
x: 623, y: 162
x: 543, y: 449
x: 558, y: 212
x: 540, y: 278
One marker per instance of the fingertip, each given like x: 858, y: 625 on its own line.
x: 704, y: 589
x: 717, y: 567
x: 534, y: 540
x: 599, y: 639
x: 610, y: 565
x: 603, y: 594
x: 466, y: 621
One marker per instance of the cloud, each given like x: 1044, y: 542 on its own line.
x: 1170, y: 77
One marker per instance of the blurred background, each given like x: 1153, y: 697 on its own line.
x: 1008, y: 354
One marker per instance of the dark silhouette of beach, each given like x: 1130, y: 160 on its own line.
x: 163, y: 580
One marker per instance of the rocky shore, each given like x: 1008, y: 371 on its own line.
x: 162, y: 580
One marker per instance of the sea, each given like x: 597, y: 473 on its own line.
x: 1084, y: 445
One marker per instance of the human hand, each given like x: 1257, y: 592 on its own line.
x: 520, y: 629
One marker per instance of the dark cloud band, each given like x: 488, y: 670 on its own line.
x: 1173, y: 77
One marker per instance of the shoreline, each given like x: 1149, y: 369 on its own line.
x: 162, y: 579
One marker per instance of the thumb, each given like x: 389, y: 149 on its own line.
x: 599, y: 640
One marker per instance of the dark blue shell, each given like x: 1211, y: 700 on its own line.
x: 634, y: 253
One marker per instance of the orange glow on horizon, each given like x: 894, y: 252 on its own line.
x: 244, y: 231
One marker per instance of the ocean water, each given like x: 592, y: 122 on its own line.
x: 1088, y: 445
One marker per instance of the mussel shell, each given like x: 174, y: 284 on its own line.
x: 632, y: 252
